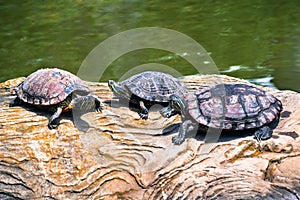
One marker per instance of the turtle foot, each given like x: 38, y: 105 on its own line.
x: 52, y: 126
x: 263, y: 133
x: 15, y: 102
x: 177, y: 140
x: 166, y: 112
x: 98, y: 103
x: 143, y: 115
x: 54, y: 119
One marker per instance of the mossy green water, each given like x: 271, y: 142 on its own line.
x: 247, y: 39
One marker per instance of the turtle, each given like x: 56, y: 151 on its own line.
x: 56, y: 90
x: 148, y: 88
x: 229, y: 106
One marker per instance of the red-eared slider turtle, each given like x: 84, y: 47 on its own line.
x: 58, y: 91
x: 148, y: 88
x: 227, y: 107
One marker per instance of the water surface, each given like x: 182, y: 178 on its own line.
x: 256, y: 40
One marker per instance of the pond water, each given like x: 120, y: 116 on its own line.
x: 257, y: 40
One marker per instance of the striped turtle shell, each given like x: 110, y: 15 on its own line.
x: 233, y: 107
x: 49, y: 86
x: 154, y: 86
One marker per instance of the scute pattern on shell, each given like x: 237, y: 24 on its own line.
x: 233, y: 106
x: 154, y: 86
x: 49, y: 87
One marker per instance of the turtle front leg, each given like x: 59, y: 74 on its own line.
x: 15, y: 102
x: 179, y: 139
x: 86, y: 103
x: 143, y: 113
x: 263, y: 133
x: 53, y: 123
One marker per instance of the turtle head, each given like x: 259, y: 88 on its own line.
x: 118, y: 89
x: 113, y: 86
x: 177, y: 105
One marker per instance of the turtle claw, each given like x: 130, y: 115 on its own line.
x: 143, y: 115
x: 52, y: 126
x: 87, y: 103
x: 53, y: 121
x: 98, y: 103
x: 99, y: 106
x: 99, y: 110
x: 177, y: 140
x: 180, y: 137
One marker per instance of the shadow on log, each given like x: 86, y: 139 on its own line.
x: 116, y: 155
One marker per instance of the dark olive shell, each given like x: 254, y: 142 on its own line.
x: 154, y: 86
x: 233, y: 107
x: 49, y: 86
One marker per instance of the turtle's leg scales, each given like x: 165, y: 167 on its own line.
x: 93, y: 100
x: 144, y: 111
x: 15, y: 102
x: 53, y: 119
x: 179, y: 139
x: 86, y: 103
x: 263, y: 133
x: 266, y: 132
x: 274, y: 123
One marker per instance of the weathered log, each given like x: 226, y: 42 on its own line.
x: 116, y: 155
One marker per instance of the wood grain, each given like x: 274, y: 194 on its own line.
x: 116, y: 155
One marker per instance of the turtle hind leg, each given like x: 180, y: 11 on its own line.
x: 53, y: 121
x: 263, y: 133
x: 15, y: 102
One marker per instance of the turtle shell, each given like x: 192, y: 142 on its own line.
x: 49, y: 87
x: 154, y: 86
x: 233, y: 107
